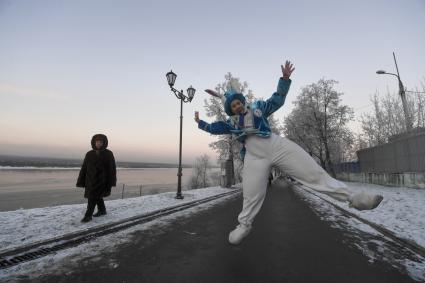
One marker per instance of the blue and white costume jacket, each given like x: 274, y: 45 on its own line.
x: 259, y: 111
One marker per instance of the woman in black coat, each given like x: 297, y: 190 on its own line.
x: 97, y: 175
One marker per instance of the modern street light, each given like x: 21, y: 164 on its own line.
x: 171, y: 78
x: 402, y: 92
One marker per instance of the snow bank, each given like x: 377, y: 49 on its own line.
x: 22, y: 227
x: 402, y: 210
x: 67, y: 261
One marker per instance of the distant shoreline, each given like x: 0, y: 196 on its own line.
x: 32, y: 168
x: 10, y: 162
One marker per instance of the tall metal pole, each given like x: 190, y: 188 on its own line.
x: 179, y: 174
x: 171, y: 78
x: 402, y: 93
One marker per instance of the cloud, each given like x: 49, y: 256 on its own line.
x: 9, y: 89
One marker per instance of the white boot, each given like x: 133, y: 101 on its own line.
x: 363, y: 201
x: 240, y: 232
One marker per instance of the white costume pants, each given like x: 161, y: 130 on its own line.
x: 288, y: 157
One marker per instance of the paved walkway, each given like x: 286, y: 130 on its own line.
x: 289, y: 243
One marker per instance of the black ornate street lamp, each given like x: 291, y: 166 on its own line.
x: 171, y: 78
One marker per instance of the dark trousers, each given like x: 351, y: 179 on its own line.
x: 91, y: 204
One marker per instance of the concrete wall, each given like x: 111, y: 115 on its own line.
x: 410, y: 180
x: 404, y: 153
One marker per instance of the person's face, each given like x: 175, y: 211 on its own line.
x: 99, y: 144
x: 237, y: 107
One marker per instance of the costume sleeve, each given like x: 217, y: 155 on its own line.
x: 81, y: 182
x: 277, y: 99
x: 215, y: 128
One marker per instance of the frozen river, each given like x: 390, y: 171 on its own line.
x: 30, y: 188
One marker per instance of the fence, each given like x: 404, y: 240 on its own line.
x: 347, y: 167
x: 410, y: 180
x: 122, y: 191
x: 400, y: 162
x: 406, y: 153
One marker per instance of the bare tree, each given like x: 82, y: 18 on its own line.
x: 318, y: 123
x: 275, y: 126
x: 387, y: 117
x: 199, y: 178
x: 418, y: 96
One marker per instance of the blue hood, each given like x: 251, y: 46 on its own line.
x: 230, y: 96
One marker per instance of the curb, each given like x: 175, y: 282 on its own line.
x: 413, y: 246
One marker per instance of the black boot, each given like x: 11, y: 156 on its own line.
x: 101, y: 209
x: 99, y: 213
x: 91, y: 204
x: 86, y: 219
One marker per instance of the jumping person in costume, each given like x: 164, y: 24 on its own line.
x: 263, y: 149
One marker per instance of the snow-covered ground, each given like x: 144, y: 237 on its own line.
x: 66, y: 261
x: 401, y: 211
x: 26, y: 226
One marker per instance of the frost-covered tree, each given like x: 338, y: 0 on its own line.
x: 199, y: 178
x: 275, y: 126
x: 386, y: 119
x: 318, y: 123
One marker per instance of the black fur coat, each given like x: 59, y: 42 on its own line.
x: 98, y: 173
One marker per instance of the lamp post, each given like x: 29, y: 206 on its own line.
x: 171, y: 78
x: 402, y: 93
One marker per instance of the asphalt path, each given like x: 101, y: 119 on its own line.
x: 289, y: 243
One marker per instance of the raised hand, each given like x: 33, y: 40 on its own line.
x: 287, y: 70
x: 196, y: 116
